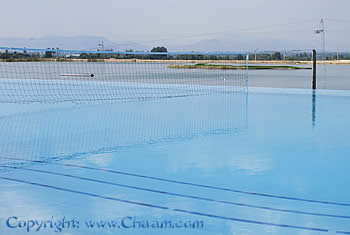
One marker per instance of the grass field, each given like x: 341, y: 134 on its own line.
x: 235, y: 67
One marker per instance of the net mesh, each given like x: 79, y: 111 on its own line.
x: 60, y: 79
x: 34, y: 126
x: 71, y: 133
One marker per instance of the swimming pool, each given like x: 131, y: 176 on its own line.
x: 270, y: 161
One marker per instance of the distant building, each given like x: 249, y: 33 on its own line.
x: 73, y: 56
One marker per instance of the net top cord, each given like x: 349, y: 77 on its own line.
x: 218, y: 53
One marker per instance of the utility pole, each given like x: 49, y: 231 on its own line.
x: 101, y: 45
x: 337, y: 54
x: 255, y: 53
x: 321, y: 30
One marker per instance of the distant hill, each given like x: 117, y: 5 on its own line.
x: 238, y: 44
x: 77, y: 42
x: 234, y: 43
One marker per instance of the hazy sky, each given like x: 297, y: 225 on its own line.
x: 287, y: 23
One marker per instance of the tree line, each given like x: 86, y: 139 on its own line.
x: 304, y: 56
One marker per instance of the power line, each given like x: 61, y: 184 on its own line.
x: 245, y: 29
x: 338, y: 20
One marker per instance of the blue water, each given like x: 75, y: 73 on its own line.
x: 270, y: 161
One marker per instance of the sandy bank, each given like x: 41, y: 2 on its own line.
x: 336, y: 62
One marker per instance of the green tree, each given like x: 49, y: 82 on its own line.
x: 48, y: 54
x: 239, y: 57
x: 277, y: 56
x: 159, y: 49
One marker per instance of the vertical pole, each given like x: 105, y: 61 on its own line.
x: 255, y: 54
x: 337, y: 54
x: 247, y: 67
x: 246, y: 94
x: 314, y: 69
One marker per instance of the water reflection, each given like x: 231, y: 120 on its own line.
x: 282, y: 195
x: 92, y: 129
x: 313, y: 108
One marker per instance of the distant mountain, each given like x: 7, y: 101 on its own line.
x: 206, y: 45
x: 233, y: 43
x: 77, y: 42
x: 237, y: 44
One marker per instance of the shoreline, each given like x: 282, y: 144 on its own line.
x: 241, y: 62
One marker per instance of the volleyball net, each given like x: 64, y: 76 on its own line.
x: 50, y: 75
x: 66, y: 132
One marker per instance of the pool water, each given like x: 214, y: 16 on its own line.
x: 270, y: 161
